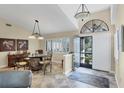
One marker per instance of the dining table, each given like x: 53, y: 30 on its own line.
x: 38, y: 56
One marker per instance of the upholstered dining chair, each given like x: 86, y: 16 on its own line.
x: 21, y: 64
x: 47, y: 61
x: 34, y: 64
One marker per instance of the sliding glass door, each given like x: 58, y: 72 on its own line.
x: 86, y: 51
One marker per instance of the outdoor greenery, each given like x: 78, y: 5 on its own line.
x: 88, y: 58
x: 87, y: 50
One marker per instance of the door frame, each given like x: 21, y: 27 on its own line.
x: 84, y: 53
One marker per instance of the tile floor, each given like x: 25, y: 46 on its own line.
x: 57, y: 79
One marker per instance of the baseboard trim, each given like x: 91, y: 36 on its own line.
x: 116, y: 81
x: 3, y: 66
x: 67, y: 73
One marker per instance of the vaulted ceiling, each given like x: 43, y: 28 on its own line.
x: 52, y: 17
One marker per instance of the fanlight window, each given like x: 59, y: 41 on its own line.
x: 95, y: 25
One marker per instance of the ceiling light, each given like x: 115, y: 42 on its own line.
x: 36, y: 35
x: 40, y: 37
x: 82, y: 12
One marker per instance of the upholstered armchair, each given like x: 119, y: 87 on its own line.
x: 15, y: 79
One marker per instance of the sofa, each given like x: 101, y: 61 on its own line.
x: 15, y: 79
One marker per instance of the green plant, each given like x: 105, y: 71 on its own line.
x: 88, y: 59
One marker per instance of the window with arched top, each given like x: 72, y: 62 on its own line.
x: 94, y: 25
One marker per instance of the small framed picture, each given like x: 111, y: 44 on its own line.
x: 22, y: 44
x: 7, y: 44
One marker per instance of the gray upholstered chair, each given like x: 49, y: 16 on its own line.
x: 15, y: 79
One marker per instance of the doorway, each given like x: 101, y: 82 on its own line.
x: 86, y: 53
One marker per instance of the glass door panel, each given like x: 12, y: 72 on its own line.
x: 86, y: 51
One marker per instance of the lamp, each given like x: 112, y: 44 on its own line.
x: 36, y: 35
x: 83, y: 13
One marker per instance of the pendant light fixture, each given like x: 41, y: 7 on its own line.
x: 36, y: 35
x: 82, y: 12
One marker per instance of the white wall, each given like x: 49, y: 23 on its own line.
x: 114, y: 13
x: 119, y: 71
x: 14, y: 32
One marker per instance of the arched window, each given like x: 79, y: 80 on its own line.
x: 94, y: 25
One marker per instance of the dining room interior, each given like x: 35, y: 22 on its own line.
x: 61, y: 46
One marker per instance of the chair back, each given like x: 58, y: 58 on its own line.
x: 40, y: 51
x: 48, y: 57
x: 34, y: 64
x: 57, y: 57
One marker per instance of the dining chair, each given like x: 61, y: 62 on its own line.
x: 47, y: 61
x: 34, y: 64
x: 20, y: 63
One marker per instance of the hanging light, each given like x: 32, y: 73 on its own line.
x: 36, y: 35
x: 83, y: 13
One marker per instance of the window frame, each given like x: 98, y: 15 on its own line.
x: 54, y: 41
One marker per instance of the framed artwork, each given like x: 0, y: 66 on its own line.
x: 22, y: 44
x: 7, y: 44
